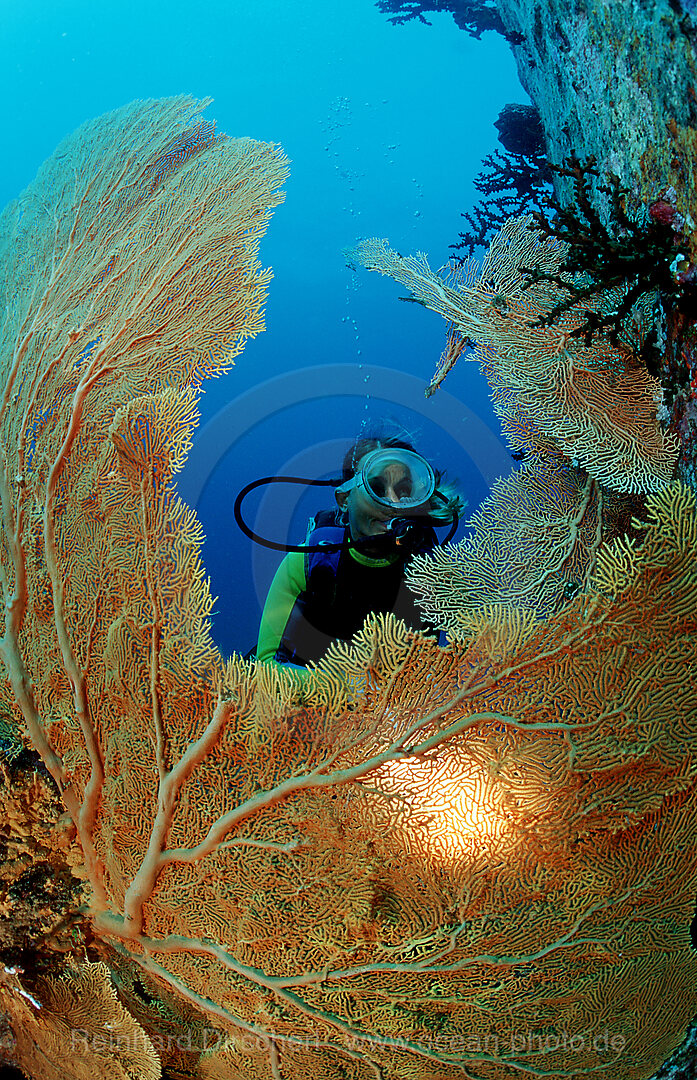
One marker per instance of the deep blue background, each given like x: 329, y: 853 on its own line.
x: 386, y: 128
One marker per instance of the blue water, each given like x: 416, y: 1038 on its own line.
x: 386, y: 128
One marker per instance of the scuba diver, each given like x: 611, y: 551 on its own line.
x: 389, y: 499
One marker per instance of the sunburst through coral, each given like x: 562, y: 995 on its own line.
x: 455, y: 809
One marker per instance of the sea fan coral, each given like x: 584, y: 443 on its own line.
x: 532, y: 546
x: 592, y: 402
x: 417, y: 863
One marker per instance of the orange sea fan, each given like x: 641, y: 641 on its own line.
x: 531, y: 547
x: 286, y: 877
x: 595, y: 403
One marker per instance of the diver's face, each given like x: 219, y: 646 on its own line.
x: 367, y: 518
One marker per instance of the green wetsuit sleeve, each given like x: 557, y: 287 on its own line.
x: 288, y: 583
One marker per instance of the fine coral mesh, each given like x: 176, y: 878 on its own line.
x: 417, y: 862
x: 593, y: 403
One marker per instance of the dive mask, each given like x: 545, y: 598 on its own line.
x: 394, y: 479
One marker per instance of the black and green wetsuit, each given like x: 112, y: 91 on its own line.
x: 319, y: 597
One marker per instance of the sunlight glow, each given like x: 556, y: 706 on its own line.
x: 454, y: 806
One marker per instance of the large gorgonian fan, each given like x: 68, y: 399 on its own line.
x: 421, y: 862
x: 594, y: 403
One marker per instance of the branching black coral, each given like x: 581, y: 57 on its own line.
x: 513, y: 185
x: 634, y: 255
x: 472, y: 16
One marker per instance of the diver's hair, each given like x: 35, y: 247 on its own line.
x: 443, y: 512
x: 401, y: 439
x: 364, y: 445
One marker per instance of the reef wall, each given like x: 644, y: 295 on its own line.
x: 617, y: 80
